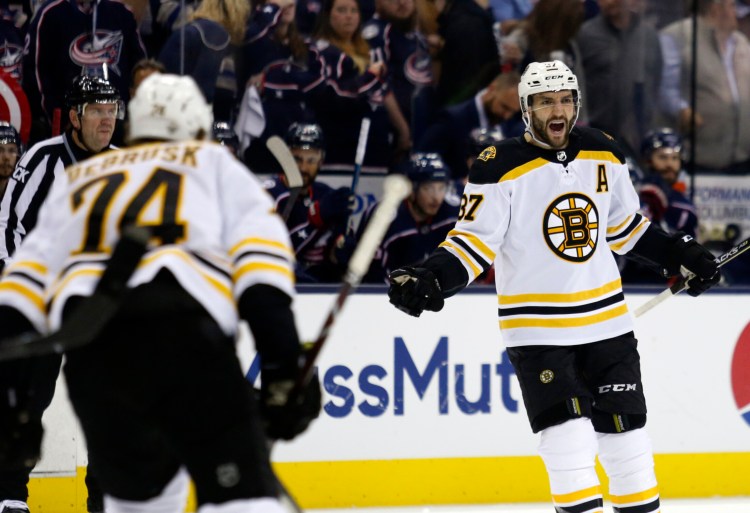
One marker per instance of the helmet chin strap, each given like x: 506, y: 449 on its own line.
x: 530, y: 133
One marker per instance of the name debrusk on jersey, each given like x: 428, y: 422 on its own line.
x: 204, y: 206
x: 549, y: 220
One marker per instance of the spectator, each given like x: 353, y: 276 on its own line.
x: 211, y: 38
x: 355, y: 89
x: 394, y: 39
x: 663, y: 12
x: 468, y: 54
x: 621, y: 71
x: 11, y: 149
x: 319, y: 213
x: 509, y: 13
x: 722, y: 116
x: 449, y: 134
x: 286, y: 72
x: 422, y: 221
x: 548, y: 33
x: 662, y: 197
x: 61, y: 46
x: 168, y: 16
x: 141, y: 70
x: 93, y: 105
x: 11, y: 43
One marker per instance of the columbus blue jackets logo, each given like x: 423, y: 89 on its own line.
x: 571, y: 227
x: 418, y: 69
x: 91, y: 52
x: 740, y: 376
x: 10, y: 60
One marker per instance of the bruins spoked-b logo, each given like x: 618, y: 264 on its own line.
x: 571, y: 226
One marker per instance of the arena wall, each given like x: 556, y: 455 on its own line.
x: 428, y: 410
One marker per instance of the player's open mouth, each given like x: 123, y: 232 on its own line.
x: 557, y: 127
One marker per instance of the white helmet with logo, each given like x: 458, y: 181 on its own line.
x: 542, y: 77
x: 169, y: 107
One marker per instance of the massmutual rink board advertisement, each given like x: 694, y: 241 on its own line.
x: 429, y: 411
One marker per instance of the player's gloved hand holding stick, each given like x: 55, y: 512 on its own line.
x: 287, y: 415
x: 701, y: 266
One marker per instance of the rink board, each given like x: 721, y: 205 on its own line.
x: 428, y: 410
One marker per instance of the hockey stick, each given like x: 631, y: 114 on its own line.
x: 359, y: 156
x: 280, y: 151
x: 395, y: 189
x: 94, y: 312
x: 681, y: 284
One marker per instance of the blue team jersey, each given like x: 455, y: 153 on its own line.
x: 407, y: 242
x: 311, y: 244
x: 407, y: 56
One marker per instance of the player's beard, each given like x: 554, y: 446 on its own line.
x: 540, y: 131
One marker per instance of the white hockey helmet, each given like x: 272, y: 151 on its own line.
x: 541, y: 77
x: 169, y: 107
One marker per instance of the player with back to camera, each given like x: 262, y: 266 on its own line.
x: 217, y: 252
x: 562, y: 312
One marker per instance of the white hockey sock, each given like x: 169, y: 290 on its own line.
x: 628, y: 460
x: 569, y: 452
x: 7, y: 504
x: 171, y: 500
x: 262, y: 505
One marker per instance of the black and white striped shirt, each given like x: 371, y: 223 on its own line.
x: 30, y: 185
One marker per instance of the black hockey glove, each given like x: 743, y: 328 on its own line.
x: 414, y: 290
x: 698, y: 260
x: 285, y: 417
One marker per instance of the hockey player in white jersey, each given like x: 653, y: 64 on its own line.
x: 160, y: 393
x: 549, y: 209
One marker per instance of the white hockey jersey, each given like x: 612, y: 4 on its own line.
x: 223, y: 235
x: 549, y: 220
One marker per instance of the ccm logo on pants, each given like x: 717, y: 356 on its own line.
x: 624, y: 387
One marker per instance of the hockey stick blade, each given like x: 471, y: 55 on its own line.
x: 284, y: 157
x: 95, y: 311
x: 681, y: 284
x: 395, y: 189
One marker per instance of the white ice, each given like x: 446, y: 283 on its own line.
x: 717, y: 505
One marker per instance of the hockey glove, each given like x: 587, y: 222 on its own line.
x: 698, y: 260
x: 414, y: 290
x: 331, y: 208
x: 286, y: 417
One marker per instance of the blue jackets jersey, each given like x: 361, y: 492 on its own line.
x: 60, y: 47
x: 209, y: 60
x: 408, y: 59
x: 11, y: 45
x: 348, y: 97
x: 288, y: 85
x: 311, y: 245
x: 407, y: 242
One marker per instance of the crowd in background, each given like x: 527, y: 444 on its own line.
x: 429, y: 75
